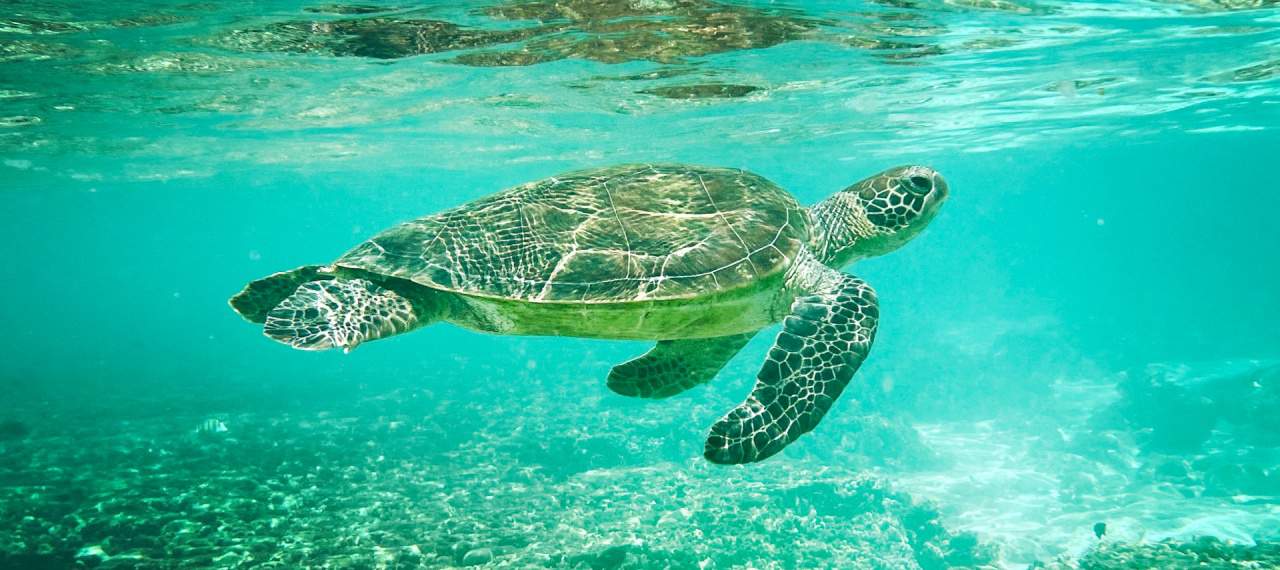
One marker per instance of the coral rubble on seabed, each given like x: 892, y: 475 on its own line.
x: 512, y: 475
x: 374, y: 486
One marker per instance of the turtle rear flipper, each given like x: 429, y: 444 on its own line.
x: 673, y: 366
x: 259, y: 297
x: 339, y: 313
x: 821, y: 345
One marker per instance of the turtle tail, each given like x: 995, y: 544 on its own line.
x: 259, y: 297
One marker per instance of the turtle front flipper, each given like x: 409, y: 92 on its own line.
x: 821, y: 345
x: 340, y: 313
x: 673, y: 366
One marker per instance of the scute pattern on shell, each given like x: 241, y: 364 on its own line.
x: 623, y: 233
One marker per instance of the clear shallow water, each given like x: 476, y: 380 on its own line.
x: 1112, y: 206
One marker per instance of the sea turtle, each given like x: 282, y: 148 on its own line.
x: 697, y: 258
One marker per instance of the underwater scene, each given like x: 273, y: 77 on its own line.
x: 934, y: 284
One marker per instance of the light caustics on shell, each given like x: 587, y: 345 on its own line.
x: 639, y: 232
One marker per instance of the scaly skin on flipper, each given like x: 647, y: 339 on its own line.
x: 339, y: 313
x: 821, y: 345
x: 259, y: 297
x: 673, y: 366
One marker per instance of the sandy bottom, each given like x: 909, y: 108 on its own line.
x: 570, y: 477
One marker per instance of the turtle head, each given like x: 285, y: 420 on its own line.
x: 879, y: 214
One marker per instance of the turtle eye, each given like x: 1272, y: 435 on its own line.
x: 919, y: 185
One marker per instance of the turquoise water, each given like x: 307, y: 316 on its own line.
x: 1087, y: 332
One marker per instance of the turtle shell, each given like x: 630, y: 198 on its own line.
x: 617, y: 234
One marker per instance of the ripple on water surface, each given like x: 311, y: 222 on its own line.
x: 962, y: 75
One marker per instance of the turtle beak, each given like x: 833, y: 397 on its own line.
x: 940, y: 188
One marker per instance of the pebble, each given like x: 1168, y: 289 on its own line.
x: 91, y: 555
x: 477, y: 557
